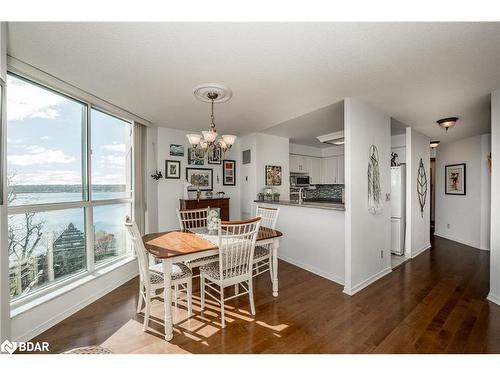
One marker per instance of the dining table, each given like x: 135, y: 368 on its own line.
x: 187, y: 245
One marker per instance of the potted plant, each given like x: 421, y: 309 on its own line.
x: 276, y: 197
x: 269, y: 196
x: 260, y: 196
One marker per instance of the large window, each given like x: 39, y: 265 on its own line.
x: 69, y: 169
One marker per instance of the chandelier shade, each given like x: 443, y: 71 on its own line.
x: 208, y: 140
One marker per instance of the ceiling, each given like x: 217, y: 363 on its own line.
x: 304, y: 129
x: 414, y: 72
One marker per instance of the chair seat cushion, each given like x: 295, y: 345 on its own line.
x: 179, y: 271
x: 203, y: 260
x: 260, y: 252
x: 212, y: 270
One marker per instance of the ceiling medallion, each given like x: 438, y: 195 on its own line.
x: 208, y: 139
x: 448, y: 122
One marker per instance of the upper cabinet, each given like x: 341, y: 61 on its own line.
x: 332, y: 170
x: 328, y: 170
x: 315, y: 172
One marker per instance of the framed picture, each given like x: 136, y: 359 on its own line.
x: 455, y: 179
x: 176, y: 150
x: 201, y: 178
x: 273, y: 175
x: 215, y: 156
x: 172, y: 169
x: 196, y: 156
x: 229, y: 172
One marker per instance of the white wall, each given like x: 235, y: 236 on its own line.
x: 171, y: 190
x: 313, y: 239
x: 4, y: 257
x: 272, y: 150
x: 266, y: 150
x: 417, y: 225
x: 467, y: 215
x: 30, y: 321
x: 247, y: 176
x: 306, y: 150
x: 398, y: 145
x: 332, y: 151
x: 494, y: 294
x: 366, y: 235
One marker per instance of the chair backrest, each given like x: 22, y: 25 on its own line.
x: 269, y: 216
x: 189, y: 219
x: 236, y: 247
x: 140, y: 250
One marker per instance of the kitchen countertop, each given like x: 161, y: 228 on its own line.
x: 323, y: 205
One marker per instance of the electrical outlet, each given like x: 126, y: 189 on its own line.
x: 447, y: 226
x: 381, y: 254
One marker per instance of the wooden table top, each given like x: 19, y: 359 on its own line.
x: 176, y: 243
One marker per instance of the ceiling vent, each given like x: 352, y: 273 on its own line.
x: 336, y: 139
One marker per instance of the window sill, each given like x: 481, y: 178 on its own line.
x: 19, y: 307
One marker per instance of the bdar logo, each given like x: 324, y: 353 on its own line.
x: 8, y: 347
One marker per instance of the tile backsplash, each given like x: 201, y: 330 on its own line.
x: 325, y: 192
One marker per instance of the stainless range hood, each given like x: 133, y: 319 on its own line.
x: 336, y: 138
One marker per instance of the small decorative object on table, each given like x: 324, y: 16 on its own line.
x: 260, y: 196
x: 276, y: 197
x: 209, y: 194
x: 269, y: 196
x: 220, y: 194
x: 213, y: 222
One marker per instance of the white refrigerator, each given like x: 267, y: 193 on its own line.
x: 398, y: 209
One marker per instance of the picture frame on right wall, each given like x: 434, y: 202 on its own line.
x: 229, y: 172
x: 456, y: 179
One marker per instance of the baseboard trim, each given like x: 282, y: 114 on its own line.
x: 73, y: 309
x: 420, y: 251
x: 463, y: 242
x: 316, y: 271
x: 364, y: 284
x: 493, y: 298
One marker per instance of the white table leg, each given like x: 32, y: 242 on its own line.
x: 167, y: 272
x: 276, y: 245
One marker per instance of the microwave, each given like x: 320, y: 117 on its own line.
x: 300, y: 181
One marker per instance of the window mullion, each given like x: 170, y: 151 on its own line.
x: 89, y: 211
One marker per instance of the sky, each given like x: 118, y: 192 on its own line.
x: 44, y: 139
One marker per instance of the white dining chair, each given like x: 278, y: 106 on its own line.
x: 236, y: 241
x: 193, y: 220
x: 262, y: 258
x: 151, y: 277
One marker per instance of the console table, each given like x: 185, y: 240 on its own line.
x: 221, y: 203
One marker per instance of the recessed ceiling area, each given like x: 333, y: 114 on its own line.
x: 416, y: 73
x: 304, y: 129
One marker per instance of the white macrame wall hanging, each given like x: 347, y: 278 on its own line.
x: 374, y: 192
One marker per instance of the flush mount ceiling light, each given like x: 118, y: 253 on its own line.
x: 212, y: 93
x: 434, y: 144
x: 448, y: 122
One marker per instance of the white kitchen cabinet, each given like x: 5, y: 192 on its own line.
x: 301, y: 164
x: 340, y: 169
x: 328, y: 170
x: 315, y: 171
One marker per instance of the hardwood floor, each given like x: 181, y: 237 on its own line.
x: 436, y: 303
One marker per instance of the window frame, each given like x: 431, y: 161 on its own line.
x: 86, y: 202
